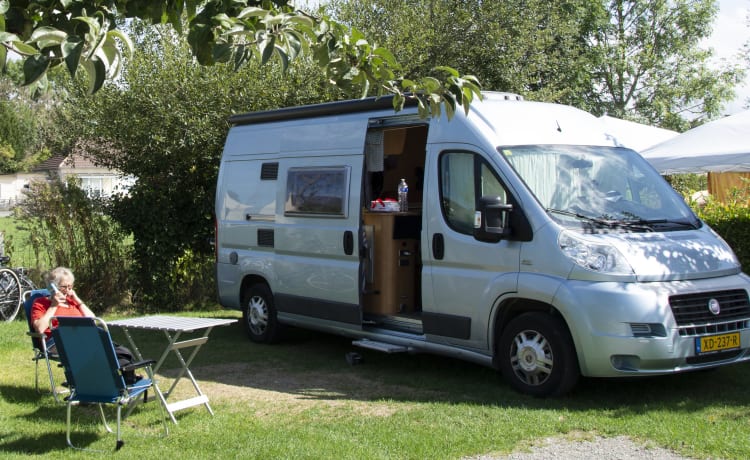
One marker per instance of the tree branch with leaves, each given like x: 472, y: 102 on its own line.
x: 92, y: 34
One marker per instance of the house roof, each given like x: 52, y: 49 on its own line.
x: 56, y: 162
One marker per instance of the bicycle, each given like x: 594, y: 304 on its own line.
x: 13, y: 283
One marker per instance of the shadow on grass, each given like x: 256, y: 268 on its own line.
x: 49, y: 413
x: 312, y: 365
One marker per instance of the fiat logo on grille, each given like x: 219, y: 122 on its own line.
x: 714, y: 307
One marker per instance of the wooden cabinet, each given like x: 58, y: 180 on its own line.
x: 395, y: 247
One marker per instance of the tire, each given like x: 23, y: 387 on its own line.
x: 536, y: 355
x: 259, y: 314
x: 10, y: 295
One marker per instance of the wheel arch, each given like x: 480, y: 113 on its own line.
x: 247, y: 282
x: 513, y: 307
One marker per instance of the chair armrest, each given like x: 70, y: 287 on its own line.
x: 138, y: 365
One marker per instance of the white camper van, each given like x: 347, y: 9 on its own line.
x: 532, y: 243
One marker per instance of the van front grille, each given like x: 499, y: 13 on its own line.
x: 693, y: 316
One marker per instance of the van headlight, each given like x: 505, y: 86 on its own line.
x: 594, y: 256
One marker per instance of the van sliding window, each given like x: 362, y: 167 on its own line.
x: 317, y: 191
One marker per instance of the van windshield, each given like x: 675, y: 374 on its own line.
x: 600, y: 187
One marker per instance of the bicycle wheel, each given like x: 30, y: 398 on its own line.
x: 26, y: 283
x: 10, y: 294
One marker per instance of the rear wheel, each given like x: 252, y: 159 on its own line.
x: 537, y: 355
x: 10, y: 295
x: 259, y: 314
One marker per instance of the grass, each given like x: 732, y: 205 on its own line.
x: 15, y: 239
x: 301, y: 400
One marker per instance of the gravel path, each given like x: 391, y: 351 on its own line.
x: 619, y: 448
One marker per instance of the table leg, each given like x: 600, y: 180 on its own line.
x: 151, y: 371
x: 175, y: 346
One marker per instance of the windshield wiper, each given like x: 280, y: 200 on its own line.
x: 577, y: 215
x: 609, y: 223
x: 681, y: 223
x: 634, y: 224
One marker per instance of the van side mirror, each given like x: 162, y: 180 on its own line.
x: 491, y: 219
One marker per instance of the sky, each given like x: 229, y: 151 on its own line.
x: 730, y: 32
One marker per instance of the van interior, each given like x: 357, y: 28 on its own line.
x: 391, y: 248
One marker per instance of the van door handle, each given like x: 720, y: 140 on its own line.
x: 438, y: 246
x: 348, y: 243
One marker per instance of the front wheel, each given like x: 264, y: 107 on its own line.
x: 259, y: 314
x: 10, y: 295
x: 537, y: 356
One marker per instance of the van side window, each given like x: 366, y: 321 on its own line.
x: 317, y: 191
x: 464, y: 178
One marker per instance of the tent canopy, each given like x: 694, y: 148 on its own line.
x: 634, y: 135
x: 719, y: 146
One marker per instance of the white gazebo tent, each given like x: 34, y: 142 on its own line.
x: 722, y: 145
x: 720, y: 148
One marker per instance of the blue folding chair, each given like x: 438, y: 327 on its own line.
x: 40, y: 345
x: 93, y: 372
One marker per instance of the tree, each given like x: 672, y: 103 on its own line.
x: 636, y: 59
x: 647, y: 62
x: 534, y: 48
x: 24, y: 122
x: 92, y: 35
x: 165, y: 123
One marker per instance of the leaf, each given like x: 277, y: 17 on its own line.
x: 293, y: 44
x: 97, y: 74
x: 321, y: 55
x: 4, y: 6
x: 72, y: 48
x: 222, y: 52
x: 267, y: 46
x: 7, y: 37
x: 386, y: 56
x: 46, y: 37
x: 24, y: 49
x: 450, y: 70
x: 34, y: 68
x: 124, y: 39
x: 94, y: 26
x: 284, y: 59
x: 252, y: 12
x: 110, y: 55
x: 241, y: 54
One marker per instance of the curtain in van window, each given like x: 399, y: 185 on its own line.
x: 540, y: 172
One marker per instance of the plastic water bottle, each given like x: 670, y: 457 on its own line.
x: 403, y: 196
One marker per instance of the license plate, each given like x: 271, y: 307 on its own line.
x: 713, y: 343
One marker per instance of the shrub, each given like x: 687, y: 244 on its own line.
x: 66, y: 228
x: 731, y: 220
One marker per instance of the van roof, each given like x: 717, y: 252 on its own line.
x: 335, y: 108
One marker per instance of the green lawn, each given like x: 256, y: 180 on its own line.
x: 22, y: 255
x: 300, y: 399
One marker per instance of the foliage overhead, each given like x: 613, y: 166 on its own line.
x: 533, y: 48
x: 92, y: 34
x: 633, y: 59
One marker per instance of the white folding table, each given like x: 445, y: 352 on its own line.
x: 173, y: 327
